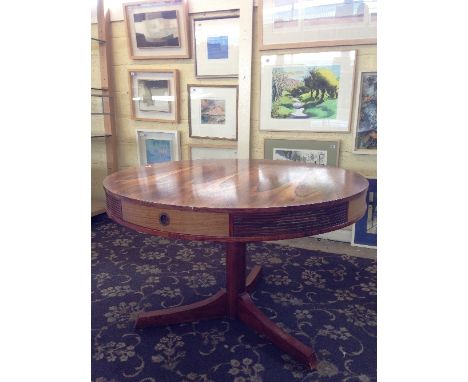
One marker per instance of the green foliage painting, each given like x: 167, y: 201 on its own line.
x: 305, y: 92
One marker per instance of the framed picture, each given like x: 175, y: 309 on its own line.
x: 365, y: 131
x: 307, y: 91
x: 364, y: 232
x: 319, y: 152
x: 315, y: 23
x: 212, y: 152
x: 157, y: 146
x: 212, y: 111
x: 154, y: 94
x: 157, y: 29
x: 216, y: 47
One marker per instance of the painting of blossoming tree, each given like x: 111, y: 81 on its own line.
x: 307, y: 92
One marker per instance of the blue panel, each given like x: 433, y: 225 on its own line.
x: 363, y: 229
x: 218, y: 47
x: 157, y: 151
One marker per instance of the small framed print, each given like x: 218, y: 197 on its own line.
x: 216, y: 47
x: 365, y: 130
x: 319, y: 152
x: 212, y: 152
x: 157, y: 146
x: 364, y: 231
x: 287, y: 24
x: 154, y: 94
x: 213, y: 111
x: 157, y: 29
x: 307, y: 91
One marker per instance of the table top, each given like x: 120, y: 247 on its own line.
x: 231, y: 185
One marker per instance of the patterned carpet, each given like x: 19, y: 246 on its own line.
x: 327, y: 301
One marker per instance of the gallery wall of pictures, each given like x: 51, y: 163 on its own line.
x: 303, y: 95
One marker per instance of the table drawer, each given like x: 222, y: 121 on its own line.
x: 177, y: 221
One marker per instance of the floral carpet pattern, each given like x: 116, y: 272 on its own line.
x: 325, y: 300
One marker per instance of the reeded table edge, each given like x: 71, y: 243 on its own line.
x: 234, y: 210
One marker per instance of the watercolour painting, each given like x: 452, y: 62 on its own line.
x: 305, y: 92
x: 213, y: 111
x: 323, y: 153
x: 304, y: 156
x: 366, y: 128
x: 157, y: 29
x: 157, y: 146
x: 217, y: 47
x: 151, y: 94
x: 157, y: 151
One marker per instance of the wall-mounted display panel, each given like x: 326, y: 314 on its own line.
x: 364, y: 232
x: 213, y: 111
x: 216, y: 47
x: 307, y: 91
x: 316, y: 23
x: 319, y: 152
x: 157, y: 146
x: 154, y: 94
x: 365, y: 126
x: 212, y: 151
x: 157, y: 29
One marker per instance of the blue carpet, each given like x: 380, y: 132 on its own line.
x: 327, y: 301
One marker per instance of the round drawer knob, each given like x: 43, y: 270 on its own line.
x: 164, y: 219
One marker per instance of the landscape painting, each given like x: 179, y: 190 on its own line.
x: 301, y: 155
x: 213, y: 111
x: 148, y: 93
x: 157, y: 150
x: 305, y: 92
x: 366, y: 129
x: 218, y: 47
x: 157, y: 29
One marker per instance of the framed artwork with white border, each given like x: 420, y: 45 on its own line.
x: 157, y: 29
x: 365, y: 123
x: 216, y: 46
x: 212, y: 111
x: 154, y: 94
x: 157, y: 146
x: 205, y: 151
x: 285, y: 24
x: 325, y: 153
x: 307, y: 91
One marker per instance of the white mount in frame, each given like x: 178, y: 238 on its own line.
x: 307, y: 91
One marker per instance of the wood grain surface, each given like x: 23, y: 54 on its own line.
x: 230, y: 185
x: 235, y: 199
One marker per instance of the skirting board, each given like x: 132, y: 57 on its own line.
x: 344, y: 235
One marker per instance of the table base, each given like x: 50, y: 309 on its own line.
x: 233, y: 302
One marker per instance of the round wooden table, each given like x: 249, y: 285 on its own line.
x: 235, y: 201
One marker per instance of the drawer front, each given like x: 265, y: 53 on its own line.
x: 177, y: 221
x: 299, y: 222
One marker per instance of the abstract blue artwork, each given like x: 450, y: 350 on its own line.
x: 157, y: 150
x: 217, y: 47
